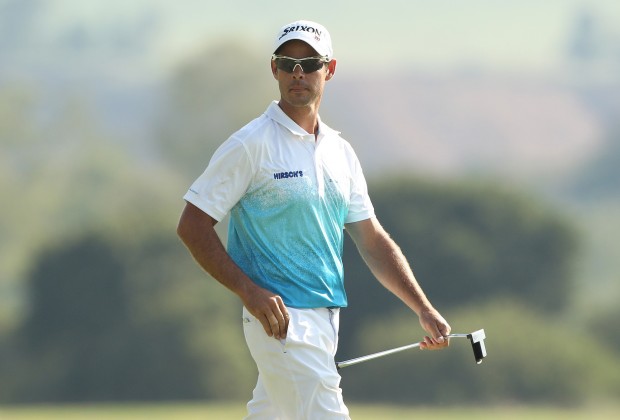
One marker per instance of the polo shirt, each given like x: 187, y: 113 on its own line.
x: 289, y: 197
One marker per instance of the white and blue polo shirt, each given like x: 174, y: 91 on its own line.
x: 289, y: 197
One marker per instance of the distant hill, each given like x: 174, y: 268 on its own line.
x: 514, y: 127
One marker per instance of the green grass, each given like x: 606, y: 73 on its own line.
x: 237, y: 411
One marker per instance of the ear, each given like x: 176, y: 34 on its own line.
x: 331, y: 69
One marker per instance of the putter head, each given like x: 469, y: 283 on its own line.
x: 477, y: 343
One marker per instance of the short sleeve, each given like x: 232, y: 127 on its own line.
x: 224, y: 182
x: 360, y: 205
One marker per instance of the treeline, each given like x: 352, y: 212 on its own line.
x: 117, y: 319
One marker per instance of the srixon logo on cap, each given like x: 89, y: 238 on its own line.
x: 316, y: 32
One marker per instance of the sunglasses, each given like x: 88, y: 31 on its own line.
x: 308, y: 64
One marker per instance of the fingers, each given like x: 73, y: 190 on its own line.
x: 285, y: 319
x: 439, y: 329
x: 443, y: 328
x: 277, y: 324
x: 440, y: 335
x: 430, y: 343
x: 272, y: 327
x: 274, y: 317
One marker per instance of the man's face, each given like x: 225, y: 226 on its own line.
x: 299, y: 89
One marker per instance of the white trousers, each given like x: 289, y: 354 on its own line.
x: 297, y: 377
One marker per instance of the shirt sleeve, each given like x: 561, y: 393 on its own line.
x: 360, y: 205
x: 224, y: 182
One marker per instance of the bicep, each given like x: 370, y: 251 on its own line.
x: 193, y: 220
x: 365, y: 233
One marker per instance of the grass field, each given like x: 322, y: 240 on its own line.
x: 237, y: 411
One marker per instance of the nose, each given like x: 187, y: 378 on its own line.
x: 298, y: 71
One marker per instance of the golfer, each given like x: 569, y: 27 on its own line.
x: 292, y: 186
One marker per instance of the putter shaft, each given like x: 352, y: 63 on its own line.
x: 476, y: 338
x: 361, y: 359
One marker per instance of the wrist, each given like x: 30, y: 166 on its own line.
x: 425, y: 308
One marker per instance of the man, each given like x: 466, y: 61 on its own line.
x: 292, y: 186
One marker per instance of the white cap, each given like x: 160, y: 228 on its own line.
x: 312, y: 33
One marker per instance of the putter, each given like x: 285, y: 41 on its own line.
x: 476, y: 338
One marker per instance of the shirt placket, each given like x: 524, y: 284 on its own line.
x: 318, y: 168
x: 313, y: 148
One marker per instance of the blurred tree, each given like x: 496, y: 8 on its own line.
x: 605, y: 327
x: 126, y: 322
x: 208, y: 99
x: 600, y: 177
x: 76, y: 290
x: 467, y: 244
x: 21, y: 146
x: 18, y: 140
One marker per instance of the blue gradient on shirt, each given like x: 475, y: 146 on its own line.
x: 288, y: 239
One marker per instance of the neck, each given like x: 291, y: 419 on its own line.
x: 307, y: 117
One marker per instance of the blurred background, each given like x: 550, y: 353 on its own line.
x: 489, y: 133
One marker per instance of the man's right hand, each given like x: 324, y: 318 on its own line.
x: 270, y: 310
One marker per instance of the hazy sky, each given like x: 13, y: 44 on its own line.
x: 153, y: 35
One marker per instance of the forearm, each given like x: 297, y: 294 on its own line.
x: 199, y: 236
x: 390, y: 266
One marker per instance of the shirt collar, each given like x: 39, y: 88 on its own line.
x: 275, y: 113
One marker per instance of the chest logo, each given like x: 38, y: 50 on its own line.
x: 289, y: 174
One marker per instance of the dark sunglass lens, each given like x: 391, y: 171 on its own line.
x: 285, y: 64
x: 309, y: 66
